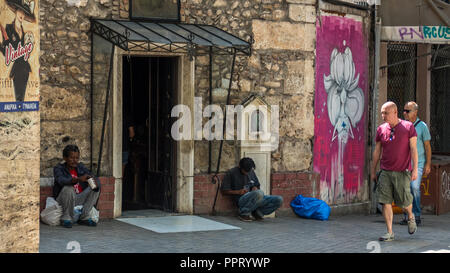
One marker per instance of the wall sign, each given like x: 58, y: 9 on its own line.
x: 19, y: 58
x: 417, y: 34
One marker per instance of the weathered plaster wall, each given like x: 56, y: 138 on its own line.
x: 19, y: 182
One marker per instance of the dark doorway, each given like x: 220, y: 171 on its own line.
x: 149, y: 88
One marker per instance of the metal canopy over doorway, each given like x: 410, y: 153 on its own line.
x: 140, y: 37
x: 167, y: 37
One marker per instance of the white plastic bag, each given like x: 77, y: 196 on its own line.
x: 52, y: 213
x: 94, y: 215
x: 77, y: 213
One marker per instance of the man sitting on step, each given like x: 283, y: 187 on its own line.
x: 241, y: 182
x: 72, y: 188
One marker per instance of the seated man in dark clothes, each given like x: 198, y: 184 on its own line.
x: 242, y: 183
x: 71, y: 188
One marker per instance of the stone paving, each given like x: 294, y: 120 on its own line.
x: 286, y: 234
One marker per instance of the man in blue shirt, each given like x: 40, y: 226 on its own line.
x: 424, y: 152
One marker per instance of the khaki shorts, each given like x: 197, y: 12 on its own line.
x: 395, y: 187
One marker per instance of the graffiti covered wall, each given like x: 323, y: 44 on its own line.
x: 340, y: 108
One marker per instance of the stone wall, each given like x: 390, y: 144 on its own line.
x: 281, y: 70
x: 65, y: 75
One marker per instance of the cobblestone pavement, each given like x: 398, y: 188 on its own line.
x: 286, y: 234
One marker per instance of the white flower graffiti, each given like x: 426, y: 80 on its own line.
x: 345, y: 103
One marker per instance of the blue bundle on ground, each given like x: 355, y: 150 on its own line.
x: 309, y: 207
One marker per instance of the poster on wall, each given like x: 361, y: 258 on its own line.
x: 19, y: 58
x: 340, y: 108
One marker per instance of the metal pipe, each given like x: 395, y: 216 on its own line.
x: 413, y: 58
x: 375, y: 97
x: 92, y: 97
x: 439, y: 67
x: 213, y: 212
x: 210, y: 103
x: 106, y: 109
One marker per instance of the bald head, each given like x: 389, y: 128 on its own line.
x: 389, y: 113
x: 390, y: 105
x: 413, y: 105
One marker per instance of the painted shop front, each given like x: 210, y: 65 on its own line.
x: 415, y: 66
x: 296, y: 69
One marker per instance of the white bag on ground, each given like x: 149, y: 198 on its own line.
x: 52, y: 213
x: 77, y: 213
x: 94, y: 215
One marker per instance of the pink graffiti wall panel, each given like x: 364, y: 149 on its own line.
x: 340, y: 108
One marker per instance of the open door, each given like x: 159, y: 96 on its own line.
x: 160, y: 190
x: 149, y: 93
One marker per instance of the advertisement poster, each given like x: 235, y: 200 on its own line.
x: 19, y: 58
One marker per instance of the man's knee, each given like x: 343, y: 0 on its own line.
x: 259, y: 194
x: 95, y: 194
x: 67, y: 192
x: 278, y: 200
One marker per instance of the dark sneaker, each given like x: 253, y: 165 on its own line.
x: 387, y: 237
x: 404, y: 222
x: 66, y: 223
x: 257, y: 216
x: 87, y: 222
x: 245, y: 218
x: 412, y: 226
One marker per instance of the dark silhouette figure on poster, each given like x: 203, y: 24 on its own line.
x: 16, y: 44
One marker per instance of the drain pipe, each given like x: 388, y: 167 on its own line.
x: 375, y: 96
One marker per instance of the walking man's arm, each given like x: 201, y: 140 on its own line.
x: 414, y: 156
x: 428, y: 157
x: 375, y: 158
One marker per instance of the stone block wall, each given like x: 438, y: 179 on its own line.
x: 281, y: 70
x: 65, y: 75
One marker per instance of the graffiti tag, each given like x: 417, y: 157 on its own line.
x: 445, y: 185
x: 426, y: 186
x: 425, y: 32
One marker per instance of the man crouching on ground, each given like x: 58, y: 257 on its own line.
x: 241, y: 182
x: 71, y: 188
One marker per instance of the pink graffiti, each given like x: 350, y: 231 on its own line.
x: 332, y: 31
